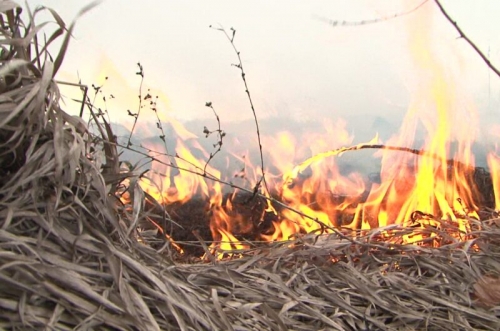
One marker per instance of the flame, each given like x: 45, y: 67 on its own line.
x: 494, y: 165
x: 227, y: 245
x: 432, y: 181
x: 177, y: 178
x: 424, y: 180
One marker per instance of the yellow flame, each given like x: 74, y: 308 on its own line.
x: 494, y: 164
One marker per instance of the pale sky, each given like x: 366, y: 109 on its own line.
x: 297, y: 66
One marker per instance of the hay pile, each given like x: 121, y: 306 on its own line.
x: 70, y: 257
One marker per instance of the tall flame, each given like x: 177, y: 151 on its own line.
x: 433, y: 182
x: 494, y: 164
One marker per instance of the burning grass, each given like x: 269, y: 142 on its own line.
x: 73, y: 256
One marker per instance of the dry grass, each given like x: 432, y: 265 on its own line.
x: 70, y: 258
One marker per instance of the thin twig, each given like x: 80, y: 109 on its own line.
x: 371, y: 21
x: 159, y: 126
x: 470, y: 42
x: 303, y: 165
x: 247, y: 91
x: 220, y: 135
x: 136, y: 115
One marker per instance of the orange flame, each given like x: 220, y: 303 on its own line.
x: 422, y: 183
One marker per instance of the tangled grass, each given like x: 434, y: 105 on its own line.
x: 70, y: 258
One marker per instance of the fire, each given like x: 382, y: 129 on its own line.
x: 494, y: 164
x: 424, y: 180
x: 435, y: 180
x: 174, y: 179
x: 493, y: 160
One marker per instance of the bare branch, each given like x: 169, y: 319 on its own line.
x: 470, y: 42
x: 136, y: 115
x: 220, y: 135
x: 335, y: 152
x: 247, y: 91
